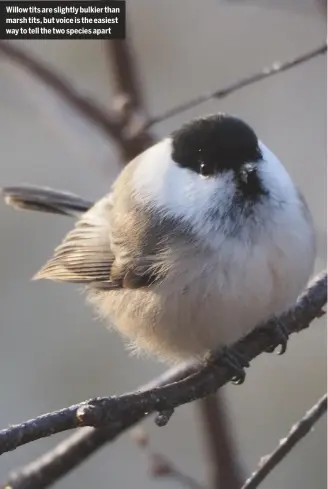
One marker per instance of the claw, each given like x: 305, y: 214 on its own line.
x: 279, y: 335
x: 234, y: 361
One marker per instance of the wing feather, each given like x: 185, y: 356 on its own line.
x: 85, y: 255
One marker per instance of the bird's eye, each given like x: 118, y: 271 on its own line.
x: 203, y: 168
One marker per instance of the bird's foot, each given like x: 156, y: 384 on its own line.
x: 233, y: 360
x: 279, y: 335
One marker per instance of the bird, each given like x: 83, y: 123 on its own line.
x: 200, y: 239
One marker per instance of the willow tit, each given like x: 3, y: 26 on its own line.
x: 202, y: 237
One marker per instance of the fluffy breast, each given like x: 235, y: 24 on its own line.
x: 244, y: 268
x: 214, y: 299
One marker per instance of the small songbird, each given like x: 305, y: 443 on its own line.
x: 202, y: 237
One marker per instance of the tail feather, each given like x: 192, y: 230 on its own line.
x: 44, y: 199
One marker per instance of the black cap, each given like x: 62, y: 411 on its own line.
x: 212, y: 144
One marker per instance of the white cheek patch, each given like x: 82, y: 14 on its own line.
x: 275, y: 177
x: 161, y: 183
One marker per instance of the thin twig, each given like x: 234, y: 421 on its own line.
x: 129, y: 100
x: 124, y: 72
x: 105, y: 120
x: 117, y: 412
x: 274, y: 69
x: 223, y: 464
x: 57, y: 462
x: 160, y: 466
x: 298, y: 431
x: 125, y: 123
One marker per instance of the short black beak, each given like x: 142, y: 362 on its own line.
x: 246, y: 171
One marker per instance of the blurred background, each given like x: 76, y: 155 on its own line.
x: 52, y: 351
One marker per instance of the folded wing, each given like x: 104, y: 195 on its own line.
x: 85, y: 255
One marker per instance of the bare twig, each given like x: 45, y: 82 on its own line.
x: 125, y: 123
x: 104, y: 120
x: 118, y: 412
x: 73, y: 451
x: 160, y: 466
x: 223, y: 464
x: 129, y: 100
x: 274, y: 69
x: 70, y: 453
x: 125, y: 76
x: 107, y: 120
x: 298, y: 431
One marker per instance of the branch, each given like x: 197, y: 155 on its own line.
x: 274, y: 69
x: 125, y: 123
x: 223, y: 463
x: 124, y: 72
x: 160, y: 466
x: 119, y: 412
x: 298, y: 431
x: 106, y: 120
x: 70, y: 453
x: 129, y: 100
